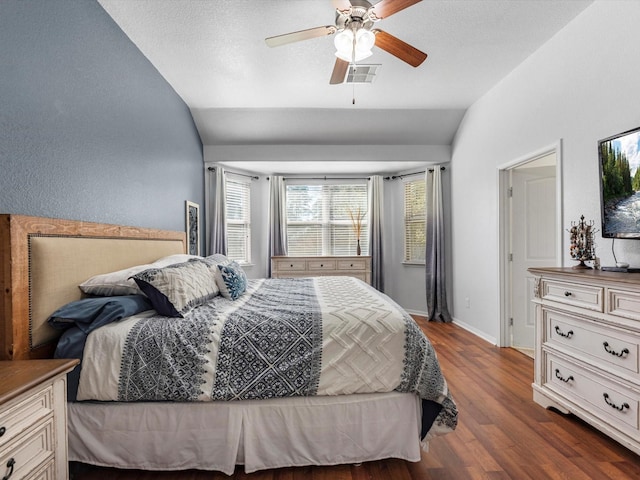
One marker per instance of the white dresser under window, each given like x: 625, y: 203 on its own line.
x: 358, y: 266
x: 587, y: 358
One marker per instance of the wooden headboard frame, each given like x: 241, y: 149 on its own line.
x: 42, y: 262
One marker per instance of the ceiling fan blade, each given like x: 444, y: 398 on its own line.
x: 341, y: 5
x: 398, y: 48
x: 300, y: 35
x: 339, y: 72
x: 386, y: 8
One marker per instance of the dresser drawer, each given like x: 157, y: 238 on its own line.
x: 623, y: 304
x: 294, y: 267
x: 321, y: 264
x: 608, y: 348
x: 585, y: 296
x: 46, y: 472
x: 612, y: 402
x: 356, y: 264
x: 29, y: 452
x: 293, y: 264
x: 18, y: 418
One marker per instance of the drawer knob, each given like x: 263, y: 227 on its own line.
x: 351, y: 265
x: 10, y: 465
x: 321, y: 265
x: 560, y: 377
x: 613, y: 405
x: 608, y: 349
x: 569, y: 334
x: 291, y: 265
x: 2, y: 431
x: 567, y: 294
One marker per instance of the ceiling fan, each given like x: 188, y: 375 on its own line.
x: 356, y: 36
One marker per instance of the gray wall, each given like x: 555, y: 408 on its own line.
x: 89, y: 130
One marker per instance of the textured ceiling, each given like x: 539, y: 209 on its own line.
x: 242, y: 92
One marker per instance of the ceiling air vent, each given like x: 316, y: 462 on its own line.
x: 361, y: 73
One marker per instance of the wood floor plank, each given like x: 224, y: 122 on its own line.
x: 502, y: 434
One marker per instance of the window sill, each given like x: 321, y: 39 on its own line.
x: 414, y: 264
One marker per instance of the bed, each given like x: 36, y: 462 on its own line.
x: 342, y: 407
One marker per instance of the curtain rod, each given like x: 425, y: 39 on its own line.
x: 326, y: 178
x: 252, y: 177
x: 409, y: 174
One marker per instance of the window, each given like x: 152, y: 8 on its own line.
x: 414, y: 221
x: 319, y: 219
x: 238, y: 212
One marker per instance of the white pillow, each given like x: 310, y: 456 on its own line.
x: 119, y: 282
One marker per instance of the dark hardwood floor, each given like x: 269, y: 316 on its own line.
x: 502, y: 433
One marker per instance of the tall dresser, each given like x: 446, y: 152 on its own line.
x: 587, y: 357
x: 358, y: 266
x: 33, y: 419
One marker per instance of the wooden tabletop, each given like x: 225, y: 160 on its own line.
x: 589, y: 274
x: 19, y: 376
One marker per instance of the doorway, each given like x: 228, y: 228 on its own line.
x: 530, y: 222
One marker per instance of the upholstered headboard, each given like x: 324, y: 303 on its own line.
x: 43, y: 261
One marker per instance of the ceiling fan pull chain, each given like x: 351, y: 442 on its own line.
x: 353, y: 84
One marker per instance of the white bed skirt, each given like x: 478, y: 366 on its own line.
x: 259, y: 434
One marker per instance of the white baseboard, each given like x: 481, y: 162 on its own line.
x: 466, y: 326
x: 475, y: 331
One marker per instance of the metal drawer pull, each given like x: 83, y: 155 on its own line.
x: 291, y: 265
x: 569, y: 334
x: 567, y: 294
x: 2, y: 431
x: 613, y: 405
x: 10, y: 465
x: 608, y: 349
x: 560, y: 377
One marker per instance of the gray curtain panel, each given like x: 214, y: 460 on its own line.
x: 217, y: 212
x: 375, y: 230
x: 435, y: 255
x: 277, y: 220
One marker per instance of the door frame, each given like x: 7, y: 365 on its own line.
x: 504, y: 229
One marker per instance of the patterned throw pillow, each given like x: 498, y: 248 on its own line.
x: 231, y: 280
x: 177, y: 289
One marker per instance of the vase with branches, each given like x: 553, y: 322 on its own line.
x: 356, y: 223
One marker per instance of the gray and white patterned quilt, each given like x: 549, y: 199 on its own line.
x: 284, y: 337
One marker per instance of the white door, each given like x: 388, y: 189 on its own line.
x: 533, y: 240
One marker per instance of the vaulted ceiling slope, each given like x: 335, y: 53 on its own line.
x: 241, y: 92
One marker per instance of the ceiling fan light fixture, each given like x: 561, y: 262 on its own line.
x: 365, y: 39
x: 348, y: 50
x: 344, y: 42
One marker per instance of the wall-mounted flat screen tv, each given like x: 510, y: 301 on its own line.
x: 620, y: 184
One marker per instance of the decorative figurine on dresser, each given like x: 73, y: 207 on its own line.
x: 587, y: 348
x: 582, y: 248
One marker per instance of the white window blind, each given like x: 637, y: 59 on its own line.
x: 238, y: 212
x: 319, y: 222
x: 414, y: 221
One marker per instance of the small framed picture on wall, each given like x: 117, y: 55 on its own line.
x: 193, y: 227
